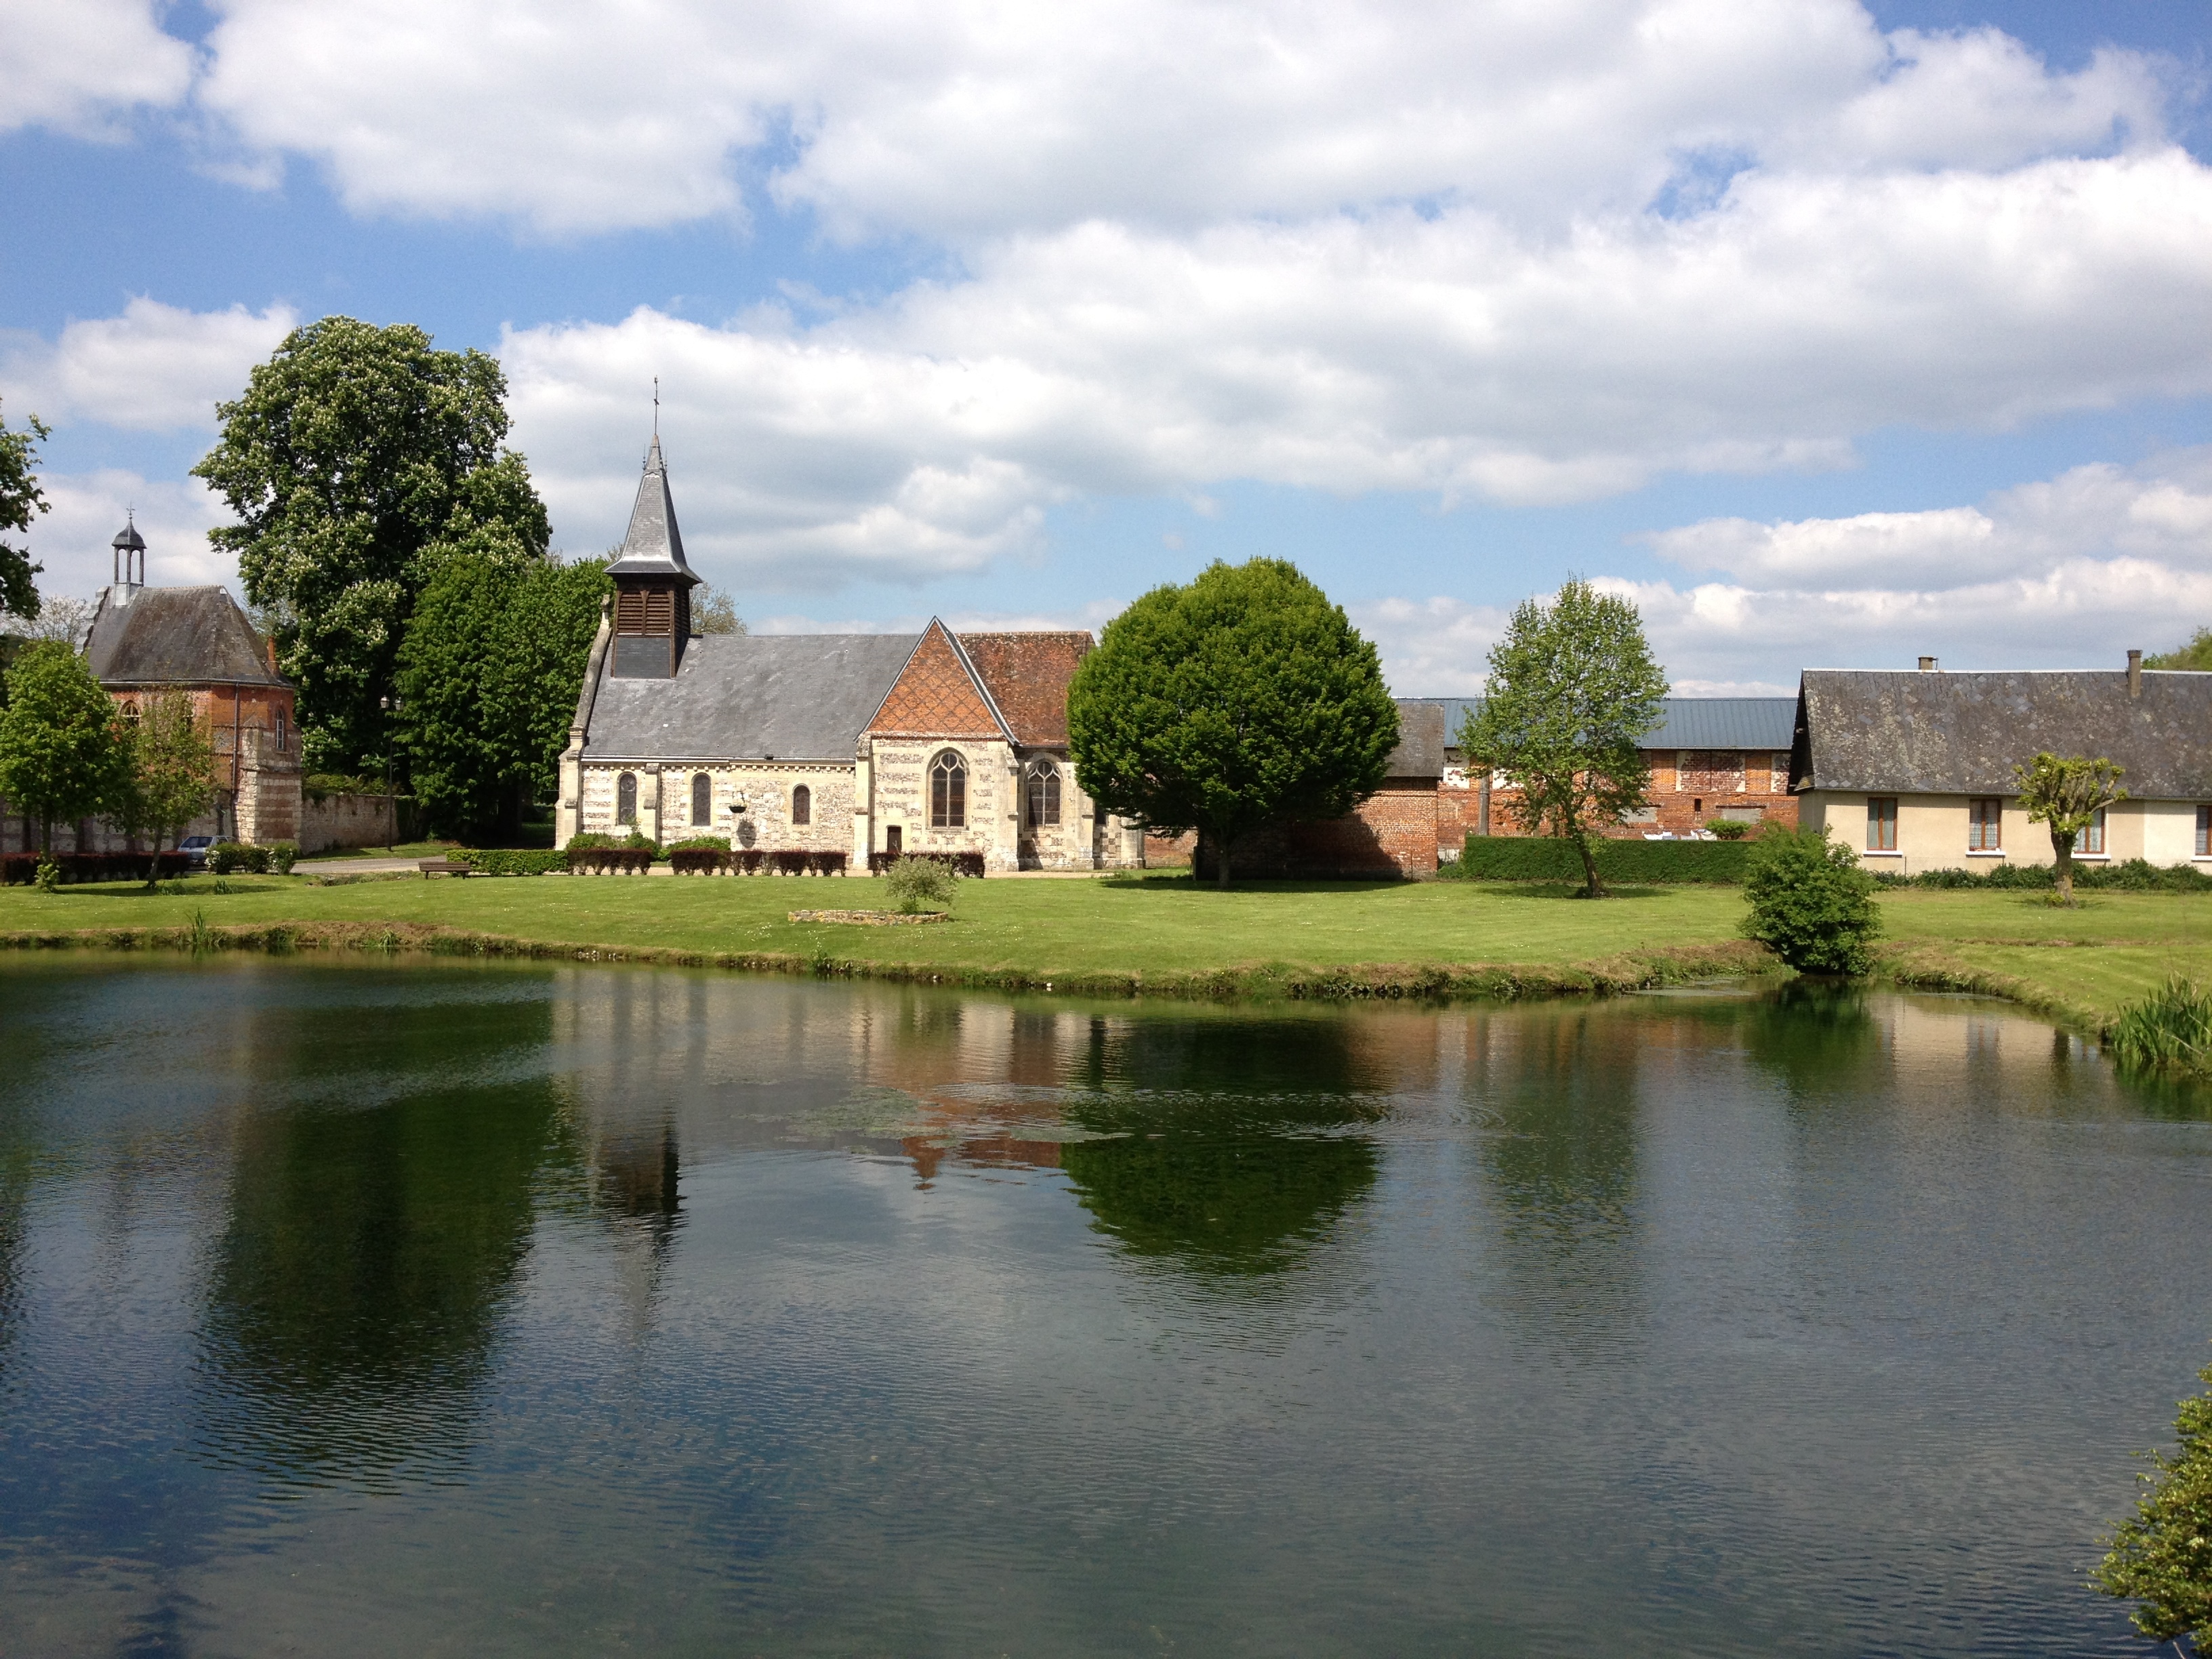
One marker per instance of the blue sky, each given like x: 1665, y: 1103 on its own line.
x: 1835, y: 335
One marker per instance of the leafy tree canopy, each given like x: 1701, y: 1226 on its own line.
x: 2162, y: 1556
x: 488, y: 678
x: 20, y: 498
x: 1241, y: 698
x: 2068, y: 794
x: 358, y: 461
x: 1572, y: 690
x: 2197, y: 654
x: 62, y: 753
x: 1810, y: 904
x: 172, y: 777
x: 712, y: 611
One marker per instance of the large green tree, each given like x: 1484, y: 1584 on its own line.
x: 1241, y: 699
x: 358, y: 461
x: 20, y: 498
x: 487, y: 680
x: 62, y: 751
x: 173, y: 771
x: 2197, y: 654
x: 1573, y: 689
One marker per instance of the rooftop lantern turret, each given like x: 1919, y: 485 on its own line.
x: 129, y: 544
x: 652, y: 583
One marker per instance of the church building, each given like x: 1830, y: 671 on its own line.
x: 854, y: 743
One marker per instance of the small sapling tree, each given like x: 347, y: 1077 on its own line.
x: 63, y: 754
x: 919, y: 884
x: 1241, y: 699
x: 2068, y: 794
x: 1572, y: 690
x: 1810, y: 904
x: 2162, y: 1556
x: 171, y: 778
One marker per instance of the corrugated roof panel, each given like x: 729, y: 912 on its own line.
x: 1684, y: 722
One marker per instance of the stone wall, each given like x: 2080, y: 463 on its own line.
x: 899, y: 775
x: 348, y: 820
x: 762, y: 788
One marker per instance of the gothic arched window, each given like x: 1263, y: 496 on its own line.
x: 802, y: 805
x: 626, y: 799
x: 702, y: 801
x: 948, y: 791
x: 1044, y: 793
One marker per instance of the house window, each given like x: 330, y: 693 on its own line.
x: 1044, y: 796
x: 2204, y: 832
x: 1881, y: 823
x: 948, y: 793
x: 1985, y: 825
x: 626, y: 799
x: 702, y: 801
x: 2093, y: 838
x: 284, y: 732
x: 802, y: 805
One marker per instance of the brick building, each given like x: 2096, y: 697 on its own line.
x: 1724, y: 759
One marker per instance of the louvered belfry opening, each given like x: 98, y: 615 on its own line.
x: 652, y: 619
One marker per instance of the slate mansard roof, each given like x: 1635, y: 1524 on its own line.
x: 1904, y: 732
x: 1684, y: 722
x: 745, y: 696
x: 175, y: 637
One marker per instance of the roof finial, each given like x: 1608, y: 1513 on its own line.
x: 656, y: 406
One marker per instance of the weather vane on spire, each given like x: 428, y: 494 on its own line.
x: 656, y: 405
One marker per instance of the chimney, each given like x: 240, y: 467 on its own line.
x: 1928, y: 664
x: 2135, y: 676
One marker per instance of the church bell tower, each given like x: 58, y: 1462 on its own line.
x: 652, y: 584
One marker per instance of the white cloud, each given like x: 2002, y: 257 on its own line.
x: 73, y: 539
x: 81, y: 66
x: 155, y: 368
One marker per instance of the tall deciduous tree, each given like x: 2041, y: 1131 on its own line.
x: 62, y: 753
x: 1243, y: 698
x: 172, y: 775
x: 358, y: 461
x: 20, y: 499
x: 2197, y: 654
x: 2068, y: 794
x: 488, y: 678
x: 1573, y: 689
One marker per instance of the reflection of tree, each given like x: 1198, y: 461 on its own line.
x: 14, y: 1208
x: 1231, y: 1158
x: 355, y: 1299
x: 1818, y: 1037
x: 1563, y: 1169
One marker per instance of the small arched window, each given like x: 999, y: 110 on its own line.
x: 948, y: 791
x: 626, y: 799
x: 802, y: 805
x: 284, y: 732
x: 702, y: 801
x: 1043, y: 796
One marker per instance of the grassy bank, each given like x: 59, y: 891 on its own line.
x: 1164, y: 933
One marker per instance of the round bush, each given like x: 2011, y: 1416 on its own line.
x: 1810, y: 904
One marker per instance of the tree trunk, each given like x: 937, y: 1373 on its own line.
x: 1221, y: 863
x: 1592, y: 887
x: 2063, y: 845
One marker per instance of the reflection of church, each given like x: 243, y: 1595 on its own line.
x: 847, y: 743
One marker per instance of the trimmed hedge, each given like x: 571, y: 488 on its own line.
x: 21, y: 869
x: 752, y: 862
x: 964, y: 864
x: 607, y: 860
x: 239, y: 858
x: 2128, y: 876
x: 510, y: 860
x: 1547, y: 857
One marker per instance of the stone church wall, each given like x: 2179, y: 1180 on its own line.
x: 900, y: 768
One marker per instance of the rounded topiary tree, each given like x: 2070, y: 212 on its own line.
x: 1810, y: 904
x: 1241, y: 699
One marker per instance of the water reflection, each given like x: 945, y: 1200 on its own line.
x: 353, y: 1307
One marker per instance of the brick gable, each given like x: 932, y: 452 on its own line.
x: 936, y: 694
x: 1027, y: 677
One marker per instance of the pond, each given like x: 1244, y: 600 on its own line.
x: 447, y: 1308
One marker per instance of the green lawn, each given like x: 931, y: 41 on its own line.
x: 1161, y: 929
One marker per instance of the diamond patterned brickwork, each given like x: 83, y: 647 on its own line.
x: 935, y: 696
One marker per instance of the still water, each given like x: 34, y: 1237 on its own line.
x: 469, y: 1311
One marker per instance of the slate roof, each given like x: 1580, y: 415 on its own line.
x: 175, y: 637
x: 939, y: 694
x: 1684, y: 722
x: 653, y: 546
x: 1421, y: 734
x: 1027, y: 676
x: 1902, y: 731
x: 743, y: 696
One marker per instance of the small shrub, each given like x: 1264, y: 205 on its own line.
x: 282, y: 855
x: 2162, y: 1556
x: 50, y: 875
x: 1727, y: 830
x: 2168, y: 1031
x: 917, y: 885
x: 1810, y: 904
x: 236, y: 858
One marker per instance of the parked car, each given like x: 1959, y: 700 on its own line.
x: 195, y: 849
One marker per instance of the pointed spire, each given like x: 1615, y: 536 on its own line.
x: 654, y: 546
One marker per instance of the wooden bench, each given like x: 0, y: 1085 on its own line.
x: 430, y: 867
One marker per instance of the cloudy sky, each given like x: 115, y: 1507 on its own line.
x: 1836, y: 335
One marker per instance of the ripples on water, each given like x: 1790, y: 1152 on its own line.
x: 446, y: 1309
